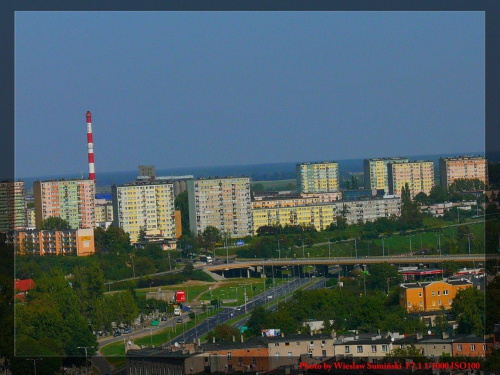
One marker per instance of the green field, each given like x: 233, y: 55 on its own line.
x: 276, y: 185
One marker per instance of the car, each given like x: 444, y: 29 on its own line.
x: 238, y: 308
x: 117, y: 333
x: 163, y: 318
x: 179, y: 320
x: 127, y: 330
x: 218, y: 259
x: 181, y: 341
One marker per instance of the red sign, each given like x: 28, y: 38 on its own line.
x: 180, y: 296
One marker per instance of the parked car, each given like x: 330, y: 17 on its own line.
x: 127, y: 330
x: 163, y: 318
x: 179, y: 320
x: 117, y: 333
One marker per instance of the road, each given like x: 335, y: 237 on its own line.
x: 230, y: 313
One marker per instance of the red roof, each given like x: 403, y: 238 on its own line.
x: 24, y: 285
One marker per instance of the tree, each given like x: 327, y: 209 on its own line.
x: 87, y: 283
x: 421, y: 198
x: 410, y: 352
x: 438, y: 195
x: 224, y: 332
x: 181, y: 204
x: 144, y: 266
x: 210, y: 236
x: 411, y: 217
x: 468, y: 310
x: 258, y: 321
x: 188, y: 269
x: 54, y: 223
x: 379, y: 273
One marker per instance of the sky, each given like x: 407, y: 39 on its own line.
x: 194, y: 89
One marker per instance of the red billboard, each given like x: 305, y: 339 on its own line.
x: 180, y: 296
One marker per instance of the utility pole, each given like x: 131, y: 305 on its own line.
x: 329, y: 256
x: 383, y: 247
x: 468, y: 237
x: 303, y: 251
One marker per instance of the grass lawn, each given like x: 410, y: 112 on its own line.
x: 192, y: 290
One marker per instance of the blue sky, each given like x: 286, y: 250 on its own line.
x: 187, y: 89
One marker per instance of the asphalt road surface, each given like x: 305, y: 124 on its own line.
x: 228, y: 313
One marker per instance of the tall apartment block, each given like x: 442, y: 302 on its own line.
x: 223, y: 203
x: 419, y: 175
x: 71, y: 200
x: 103, y: 213
x: 375, y: 172
x: 12, y: 206
x: 462, y: 167
x: 318, y: 177
x: 144, y: 205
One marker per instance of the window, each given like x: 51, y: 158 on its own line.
x: 420, y: 294
x: 439, y: 302
x: 287, y: 344
x: 484, y: 347
x: 445, y: 292
x: 409, y: 304
x: 229, y: 355
x: 384, y: 348
x: 276, y: 344
x: 374, y: 348
x: 360, y: 349
x: 421, y: 303
x: 277, y: 355
x: 433, y: 293
x: 346, y: 349
x: 473, y: 347
x: 459, y: 347
x: 290, y: 355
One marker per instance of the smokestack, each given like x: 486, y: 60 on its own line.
x: 90, y: 147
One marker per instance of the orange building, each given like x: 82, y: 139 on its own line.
x: 462, y: 167
x: 430, y: 296
x: 471, y: 347
x: 252, y: 355
x: 78, y: 242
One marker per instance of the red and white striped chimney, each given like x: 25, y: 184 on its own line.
x: 90, y: 147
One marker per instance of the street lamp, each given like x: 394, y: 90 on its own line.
x: 329, y: 256
x: 279, y: 250
x: 468, y: 237
x: 85, y: 347
x: 392, y: 277
x: 303, y: 251
x: 34, y: 362
x: 383, y: 247
x: 245, y: 296
x: 439, y: 243
x: 411, y: 252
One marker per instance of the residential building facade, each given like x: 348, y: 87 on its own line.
x: 12, y: 206
x: 430, y: 296
x: 144, y: 205
x: 419, y: 175
x: 318, y: 177
x: 103, y: 213
x: 223, y: 203
x: 71, y: 200
x: 320, y: 215
x: 375, y: 172
x: 462, y: 167
x: 78, y: 242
